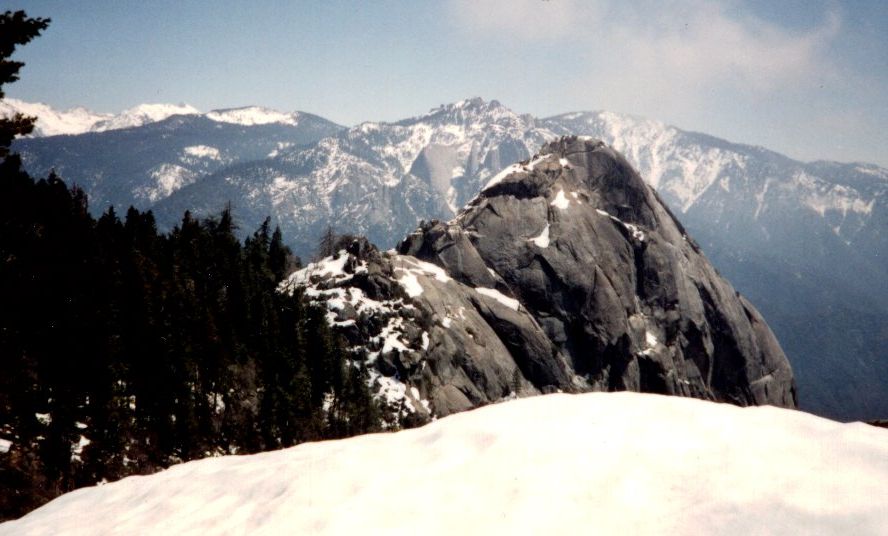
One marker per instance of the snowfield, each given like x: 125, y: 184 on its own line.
x: 608, y: 463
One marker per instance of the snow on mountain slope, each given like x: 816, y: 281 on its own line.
x: 142, y: 166
x: 53, y: 122
x: 453, y: 148
x: 685, y: 167
x: 253, y: 115
x: 376, y: 179
x: 142, y: 115
x: 615, y: 463
x: 680, y: 172
x: 457, y: 148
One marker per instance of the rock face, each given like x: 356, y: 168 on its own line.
x: 566, y: 273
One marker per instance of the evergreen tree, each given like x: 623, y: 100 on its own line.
x: 280, y: 258
x: 326, y: 244
x: 16, y: 28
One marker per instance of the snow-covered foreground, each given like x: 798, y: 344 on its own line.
x: 618, y: 463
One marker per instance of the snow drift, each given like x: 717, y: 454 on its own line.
x: 613, y: 463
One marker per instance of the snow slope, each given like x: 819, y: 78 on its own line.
x: 615, y: 463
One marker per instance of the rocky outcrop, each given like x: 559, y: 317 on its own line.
x: 565, y: 273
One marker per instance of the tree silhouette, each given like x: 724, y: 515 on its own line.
x: 16, y: 29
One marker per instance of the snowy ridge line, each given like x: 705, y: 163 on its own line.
x: 51, y: 122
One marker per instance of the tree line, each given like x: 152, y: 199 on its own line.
x: 124, y: 350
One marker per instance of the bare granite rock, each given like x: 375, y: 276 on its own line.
x: 566, y: 272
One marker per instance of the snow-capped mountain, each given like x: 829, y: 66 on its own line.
x: 52, y: 122
x: 804, y: 241
x: 140, y: 166
x: 453, y: 150
x: 609, y: 463
x: 142, y: 114
x: 714, y: 183
x: 376, y: 179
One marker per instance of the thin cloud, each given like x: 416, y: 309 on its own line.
x: 678, y: 50
x: 714, y: 46
x: 524, y: 20
x: 713, y: 66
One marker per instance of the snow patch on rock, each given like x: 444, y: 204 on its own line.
x: 560, y: 201
x: 542, y: 239
x: 511, y: 303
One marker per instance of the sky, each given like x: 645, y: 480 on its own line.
x: 808, y: 78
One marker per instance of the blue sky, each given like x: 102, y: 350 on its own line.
x: 807, y: 78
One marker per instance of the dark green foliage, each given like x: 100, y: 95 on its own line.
x: 154, y: 348
x: 16, y: 28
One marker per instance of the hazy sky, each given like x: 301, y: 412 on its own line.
x: 805, y: 77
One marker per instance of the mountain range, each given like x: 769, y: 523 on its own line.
x: 803, y: 241
x: 81, y: 120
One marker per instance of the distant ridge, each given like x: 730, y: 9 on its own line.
x: 52, y: 122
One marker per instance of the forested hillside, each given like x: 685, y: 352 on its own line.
x: 123, y: 350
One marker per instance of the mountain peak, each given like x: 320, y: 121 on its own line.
x: 469, y: 110
x: 476, y: 102
x: 565, y: 273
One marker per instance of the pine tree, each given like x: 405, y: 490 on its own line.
x: 280, y: 258
x: 326, y: 244
x: 16, y: 28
